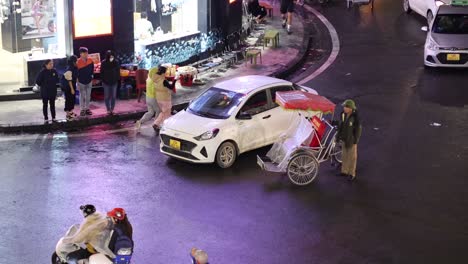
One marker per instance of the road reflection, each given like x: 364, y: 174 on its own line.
x: 446, y: 87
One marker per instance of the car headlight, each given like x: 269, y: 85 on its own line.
x: 439, y: 3
x: 432, y: 45
x: 208, y: 135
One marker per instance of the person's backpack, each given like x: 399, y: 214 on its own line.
x: 122, y: 240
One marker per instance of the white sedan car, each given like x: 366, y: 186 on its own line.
x: 426, y: 8
x: 447, y: 38
x: 228, y: 119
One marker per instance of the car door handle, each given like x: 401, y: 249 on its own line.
x: 266, y: 117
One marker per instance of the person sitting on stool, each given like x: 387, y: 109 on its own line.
x: 257, y: 11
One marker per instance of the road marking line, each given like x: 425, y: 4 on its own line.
x: 32, y: 137
x: 335, y: 45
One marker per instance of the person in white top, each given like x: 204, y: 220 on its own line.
x: 143, y: 27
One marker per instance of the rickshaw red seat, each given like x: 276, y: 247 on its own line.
x: 320, y: 129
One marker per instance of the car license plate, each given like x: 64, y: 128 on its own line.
x: 453, y: 57
x: 175, y: 144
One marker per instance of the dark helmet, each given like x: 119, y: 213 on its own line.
x: 88, y: 209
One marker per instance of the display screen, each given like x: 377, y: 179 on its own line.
x: 92, y: 18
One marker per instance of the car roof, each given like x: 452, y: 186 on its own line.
x: 452, y: 10
x: 249, y: 83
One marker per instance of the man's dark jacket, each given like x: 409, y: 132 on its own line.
x: 349, y: 129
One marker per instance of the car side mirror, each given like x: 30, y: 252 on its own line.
x: 244, y: 116
x: 425, y: 29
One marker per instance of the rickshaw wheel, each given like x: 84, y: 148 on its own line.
x: 337, y: 153
x: 303, y: 169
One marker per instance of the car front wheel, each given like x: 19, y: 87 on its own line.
x: 226, y: 155
x: 406, y: 6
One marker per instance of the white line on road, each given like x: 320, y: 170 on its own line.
x: 31, y: 137
x: 335, y: 46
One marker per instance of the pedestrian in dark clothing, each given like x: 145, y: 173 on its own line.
x: 48, y: 79
x: 68, y: 85
x: 256, y: 10
x: 287, y: 9
x: 349, y: 133
x: 110, y: 76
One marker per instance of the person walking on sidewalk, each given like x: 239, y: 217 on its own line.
x: 48, y: 79
x: 68, y: 84
x: 85, y: 76
x: 287, y: 9
x: 153, y: 109
x: 110, y: 76
x: 163, y: 93
x: 349, y: 133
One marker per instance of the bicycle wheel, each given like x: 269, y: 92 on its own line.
x: 303, y: 169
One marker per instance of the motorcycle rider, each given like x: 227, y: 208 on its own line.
x: 93, y: 232
x: 122, y: 237
x: 198, y: 256
x: 120, y: 219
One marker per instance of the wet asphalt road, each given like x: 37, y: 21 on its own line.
x: 408, y: 206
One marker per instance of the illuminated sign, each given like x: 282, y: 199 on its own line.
x: 92, y: 18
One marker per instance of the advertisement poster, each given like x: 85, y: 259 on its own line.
x: 38, y: 18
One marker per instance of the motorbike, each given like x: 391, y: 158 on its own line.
x: 123, y: 254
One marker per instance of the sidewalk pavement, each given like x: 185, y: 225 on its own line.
x: 26, y: 115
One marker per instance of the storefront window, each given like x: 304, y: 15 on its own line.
x: 160, y: 20
x: 32, y: 31
x: 170, y: 31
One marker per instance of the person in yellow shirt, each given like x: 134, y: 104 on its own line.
x: 153, y: 109
x: 163, y: 93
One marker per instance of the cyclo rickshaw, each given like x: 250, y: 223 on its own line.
x: 309, y: 140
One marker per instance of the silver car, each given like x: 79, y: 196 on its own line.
x: 447, y: 38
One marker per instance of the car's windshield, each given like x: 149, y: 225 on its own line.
x: 451, y: 24
x: 216, y: 103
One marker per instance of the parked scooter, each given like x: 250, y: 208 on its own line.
x: 123, y: 254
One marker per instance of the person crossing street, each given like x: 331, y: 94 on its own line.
x: 163, y: 90
x: 153, y: 108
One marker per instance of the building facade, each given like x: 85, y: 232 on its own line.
x: 142, y: 32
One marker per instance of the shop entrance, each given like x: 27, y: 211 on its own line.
x: 32, y: 31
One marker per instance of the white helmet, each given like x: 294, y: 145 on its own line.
x: 201, y: 257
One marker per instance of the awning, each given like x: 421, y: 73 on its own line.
x: 299, y: 100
